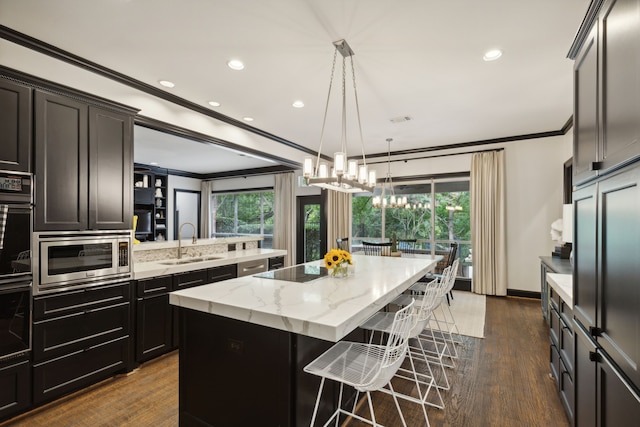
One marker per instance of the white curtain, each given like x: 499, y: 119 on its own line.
x: 338, y: 217
x: 206, y: 187
x: 284, y: 236
x: 488, y: 224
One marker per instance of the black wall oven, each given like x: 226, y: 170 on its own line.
x: 15, y: 264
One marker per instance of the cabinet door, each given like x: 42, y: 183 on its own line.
x: 585, y: 293
x: 585, y: 115
x: 618, y: 400
x: 15, y: 127
x: 153, y: 327
x: 15, y: 388
x: 584, y: 378
x: 618, y: 258
x: 620, y: 99
x: 111, y: 170
x: 60, y: 163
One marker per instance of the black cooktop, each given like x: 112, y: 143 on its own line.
x: 297, y: 273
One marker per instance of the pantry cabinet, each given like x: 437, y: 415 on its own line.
x: 15, y: 126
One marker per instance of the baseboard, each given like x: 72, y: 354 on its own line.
x: 523, y: 294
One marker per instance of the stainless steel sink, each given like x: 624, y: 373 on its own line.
x: 189, y: 260
x: 181, y: 261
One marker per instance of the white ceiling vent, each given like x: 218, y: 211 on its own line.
x: 400, y: 119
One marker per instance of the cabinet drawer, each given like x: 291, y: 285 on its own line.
x: 554, y: 299
x: 566, y: 345
x: 224, y: 272
x: 154, y: 286
x: 189, y: 279
x: 554, y: 327
x: 73, y: 371
x: 554, y: 362
x: 567, y: 390
x: 80, y: 300
x: 276, y: 263
x: 248, y: 268
x: 79, y: 331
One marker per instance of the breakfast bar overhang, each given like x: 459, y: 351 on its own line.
x: 245, y: 341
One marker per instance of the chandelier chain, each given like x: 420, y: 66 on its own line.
x: 326, y: 109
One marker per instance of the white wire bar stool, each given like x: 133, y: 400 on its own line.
x: 424, y: 381
x: 431, y: 342
x: 365, y: 367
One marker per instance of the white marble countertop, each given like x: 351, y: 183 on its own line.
x: 563, y: 285
x: 144, y: 270
x: 327, y: 308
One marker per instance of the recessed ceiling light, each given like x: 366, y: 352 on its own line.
x: 492, y: 55
x: 214, y: 103
x: 154, y: 163
x: 247, y: 119
x: 298, y: 104
x: 166, y: 83
x: 235, y: 64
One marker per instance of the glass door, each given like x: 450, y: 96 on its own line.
x: 311, y: 229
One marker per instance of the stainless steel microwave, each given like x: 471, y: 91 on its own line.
x: 72, y: 260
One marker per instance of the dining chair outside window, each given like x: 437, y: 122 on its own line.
x: 377, y: 248
x: 365, y: 367
x: 343, y: 243
x: 407, y: 246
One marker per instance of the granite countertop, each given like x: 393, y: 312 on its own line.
x: 563, y: 285
x: 327, y: 308
x: 144, y: 270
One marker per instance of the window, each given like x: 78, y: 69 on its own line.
x: 434, y: 225
x: 237, y: 214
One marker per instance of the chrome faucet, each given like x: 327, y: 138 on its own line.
x: 193, y: 239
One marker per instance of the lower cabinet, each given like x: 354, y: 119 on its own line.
x: 153, y: 317
x: 561, y: 349
x: 79, y: 337
x: 15, y: 387
x: 157, y: 323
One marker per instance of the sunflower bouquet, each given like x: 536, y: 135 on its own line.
x: 338, y: 260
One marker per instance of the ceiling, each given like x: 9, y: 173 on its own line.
x: 420, y: 59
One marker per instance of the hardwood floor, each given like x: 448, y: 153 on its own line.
x: 501, y: 380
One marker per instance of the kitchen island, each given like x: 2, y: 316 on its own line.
x: 245, y: 341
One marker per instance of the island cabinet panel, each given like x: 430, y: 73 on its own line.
x: 15, y: 387
x: 15, y: 126
x: 226, y: 363
x: 154, y: 318
x: 83, y: 164
x: 80, y: 337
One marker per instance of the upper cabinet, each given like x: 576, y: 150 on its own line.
x: 607, y: 89
x: 15, y: 127
x: 83, y: 165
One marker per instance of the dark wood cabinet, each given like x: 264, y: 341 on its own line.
x: 585, y: 296
x: 150, y: 202
x: 276, y: 263
x: 550, y: 264
x: 79, y: 337
x: 61, y: 163
x: 83, y: 165
x: 607, y: 95
x: 154, y: 318
x: 15, y: 127
x: 110, y: 169
x: 15, y: 387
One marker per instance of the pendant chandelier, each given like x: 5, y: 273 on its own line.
x: 393, y: 202
x: 346, y: 175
